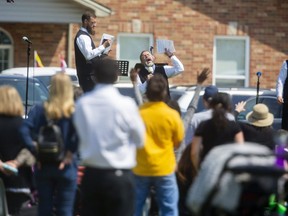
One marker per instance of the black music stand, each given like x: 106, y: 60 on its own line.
x: 123, y: 67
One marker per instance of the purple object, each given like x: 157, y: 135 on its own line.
x: 280, y: 156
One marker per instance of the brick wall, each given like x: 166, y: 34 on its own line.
x: 49, y: 40
x: 191, y: 24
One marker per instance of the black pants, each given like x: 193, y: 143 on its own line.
x: 107, y: 192
x: 285, y: 116
x: 86, y: 83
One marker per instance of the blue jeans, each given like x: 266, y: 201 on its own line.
x: 56, y: 189
x: 166, y: 192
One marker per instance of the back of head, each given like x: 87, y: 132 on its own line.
x: 221, y: 104
x: 221, y: 100
x: 61, y: 101
x: 156, y: 88
x: 105, y: 70
x: 209, y: 92
x: 10, y: 100
x: 260, y: 116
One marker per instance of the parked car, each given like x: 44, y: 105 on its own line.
x: 37, y: 91
x: 44, y: 74
x: 184, y: 95
x: 269, y: 99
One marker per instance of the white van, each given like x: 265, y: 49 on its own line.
x: 43, y: 74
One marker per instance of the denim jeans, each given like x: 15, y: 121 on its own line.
x: 166, y: 192
x: 56, y: 189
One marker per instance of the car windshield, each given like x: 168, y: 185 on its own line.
x: 37, y: 93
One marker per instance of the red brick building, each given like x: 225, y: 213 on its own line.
x: 235, y: 39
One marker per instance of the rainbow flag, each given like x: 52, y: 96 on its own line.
x: 37, y: 60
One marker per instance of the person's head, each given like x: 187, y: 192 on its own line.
x: 89, y: 22
x: 221, y: 105
x: 10, y: 100
x: 221, y: 100
x: 209, y: 92
x: 156, y: 88
x: 260, y: 116
x: 146, y: 58
x: 61, y: 97
x: 105, y: 70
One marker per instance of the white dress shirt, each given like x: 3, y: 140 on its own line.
x: 84, y: 44
x: 281, y: 79
x: 109, y: 127
x: 171, y: 71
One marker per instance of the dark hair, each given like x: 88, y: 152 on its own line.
x: 221, y: 104
x: 186, y: 171
x: 87, y: 15
x: 156, y: 88
x: 105, y: 70
x: 174, y: 105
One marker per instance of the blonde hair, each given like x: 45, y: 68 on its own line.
x: 61, y: 102
x: 10, y: 100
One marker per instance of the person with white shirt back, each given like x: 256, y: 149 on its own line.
x: 149, y: 68
x: 85, y: 50
x: 110, y: 129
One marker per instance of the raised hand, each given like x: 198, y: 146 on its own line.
x: 133, y: 75
x: 203, y: 75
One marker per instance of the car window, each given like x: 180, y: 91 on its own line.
x: 270, y: 101
x: 47, y: 79
x: 36, y: 92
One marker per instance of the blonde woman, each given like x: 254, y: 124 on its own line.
x: 56, y: 183
x: 11, y: 143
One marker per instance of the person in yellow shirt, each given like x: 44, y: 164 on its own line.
x: 156, y: 162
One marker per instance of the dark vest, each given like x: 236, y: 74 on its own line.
x: 285, y: 89
x: 143, y: 74
x: 83, y: 67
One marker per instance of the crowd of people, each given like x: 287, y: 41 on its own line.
x: 126, y: 153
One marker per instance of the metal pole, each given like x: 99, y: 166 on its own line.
x: 27, y: 79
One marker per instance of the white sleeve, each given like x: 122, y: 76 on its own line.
x: 142, y: 86
x: 174, y: 70
x: 84, y: 44
x: 281, y: 79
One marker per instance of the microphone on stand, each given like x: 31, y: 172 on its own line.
x: 258, y: 83
x: 27, y: 78
x: 26, y: 39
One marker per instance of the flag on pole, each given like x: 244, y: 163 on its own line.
x: 37, y: 60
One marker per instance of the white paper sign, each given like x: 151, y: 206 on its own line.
x: 162, y: 44
x: 103, y: 39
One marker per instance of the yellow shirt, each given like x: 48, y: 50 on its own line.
x: 164, y: 131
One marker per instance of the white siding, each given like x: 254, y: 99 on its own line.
x: 47, y: 11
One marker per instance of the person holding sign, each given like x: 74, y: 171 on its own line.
x: 148, y: 68
x: 85, y: 50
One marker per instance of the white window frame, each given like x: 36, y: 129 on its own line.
x: 244, y: 77
x: 9, y: 47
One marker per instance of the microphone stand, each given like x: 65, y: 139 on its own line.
x: 27, y: 79
x: 258, y: 84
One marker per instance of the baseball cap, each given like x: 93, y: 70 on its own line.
x: 209, y: 92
